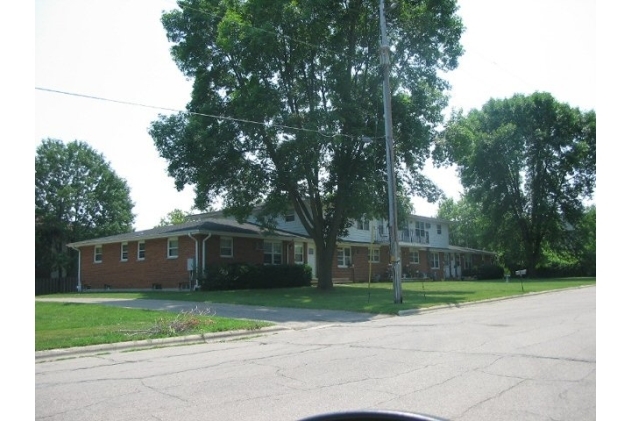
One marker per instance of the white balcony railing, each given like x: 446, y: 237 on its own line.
x: 405, y: 236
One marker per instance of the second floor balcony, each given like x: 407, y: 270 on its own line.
x: 404, y: 236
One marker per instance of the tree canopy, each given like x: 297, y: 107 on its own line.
x: 285, y: 95
x: 176, y: 216
x: 77, y: 197
x: 529, y: 162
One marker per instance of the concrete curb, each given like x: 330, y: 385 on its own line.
x: 150, y: 343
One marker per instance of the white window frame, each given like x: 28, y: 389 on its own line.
x: 363, y: 224
x: 223, y: 246
x: 439, y: 229
x: 415, y: 257
x: 468, y: 261
x: 173, y: 252
x: 435, y: 260
x: 124, y: 251
x: 419, y: 229
x: 98, y: 253
x: 141, y: 250
x: 290, y: 216
x: 272, y: 253
x: 344, y: 259
x: 301, y: 254
x: 374, y: 254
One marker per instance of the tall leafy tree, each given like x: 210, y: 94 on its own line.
x: 176, y: 216
x: 77, y: 197
x: 469, y: 225
x: 285, y: 95
x: 529, y: 162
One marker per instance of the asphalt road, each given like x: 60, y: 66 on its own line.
x: 531, y: 358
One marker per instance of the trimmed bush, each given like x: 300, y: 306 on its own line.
x: 235, y: 276
x: 489, y: 271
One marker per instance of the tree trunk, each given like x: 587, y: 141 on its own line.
x: 325, y: 266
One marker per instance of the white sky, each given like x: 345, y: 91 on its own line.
x: 117, y: 49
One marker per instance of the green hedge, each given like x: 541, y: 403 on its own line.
x: 485, y: 272
x: 248, y: 276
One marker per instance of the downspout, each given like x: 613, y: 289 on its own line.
x: 196, y: 258
x: 203, y: 258
x: 78, y: 269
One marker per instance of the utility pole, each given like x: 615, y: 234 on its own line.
x: 395, y: 261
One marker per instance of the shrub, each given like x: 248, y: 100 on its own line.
x: 234, y: 276
x: 490, y: 271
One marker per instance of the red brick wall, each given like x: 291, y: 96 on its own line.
x: 156, y: 268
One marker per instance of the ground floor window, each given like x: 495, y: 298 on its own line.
x: 414, y: 257
x: 272, y: 253
x: 435, y: 260
x: 172, y: 248
x: 299, y: 254
x: 225, y: 247
x: 344, y: 257
x: 373, y: 255
x: 98, y: 254
x: 467, y: 261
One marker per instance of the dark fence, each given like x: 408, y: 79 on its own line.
x: 55, y: 285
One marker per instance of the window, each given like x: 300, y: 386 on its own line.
x: 225, y: 247
x: 299, y: 255
x: 467, y: 261
x: 172, y: 246
x: 439, y: 229
x: 419, y: 229
x: 363, y: 224
x: 98, y: 254
x: 414, y: 257
x: 272, y: 253
x: 428, y: 225
x: 141, y: 250
x: 373, y: 255
x: 435, y: 261
x: 344, y: 257
x: 290, y: 216
x: 124, y: 253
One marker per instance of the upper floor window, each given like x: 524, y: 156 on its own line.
x: 225, y: 247
x: 299, y: 253
x: 419, y: 229
x: 124, y: 252
x: 439, y: 229
x: 98, y: 254
x: 344, y: 257
x: 373, y: 255
x: 172, y: 248
x: 141, y: 250
x: 290, y: 216
x: 435, y: 260
x: 272, y: 254
x: 363, y: 224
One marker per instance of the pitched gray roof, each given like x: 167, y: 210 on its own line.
x: 204, y: 226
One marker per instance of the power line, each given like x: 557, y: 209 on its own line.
x: 218, y: 117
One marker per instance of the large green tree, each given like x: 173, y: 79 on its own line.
x: 77, y: 197
x: 285, y: 94
x: 176, y: 216
x: 529, y: 162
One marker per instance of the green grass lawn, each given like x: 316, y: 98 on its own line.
x: 61, y: 325
x: 64, y: 325
x: 362, y: 297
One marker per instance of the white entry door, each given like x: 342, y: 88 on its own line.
x: 311, y: 259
